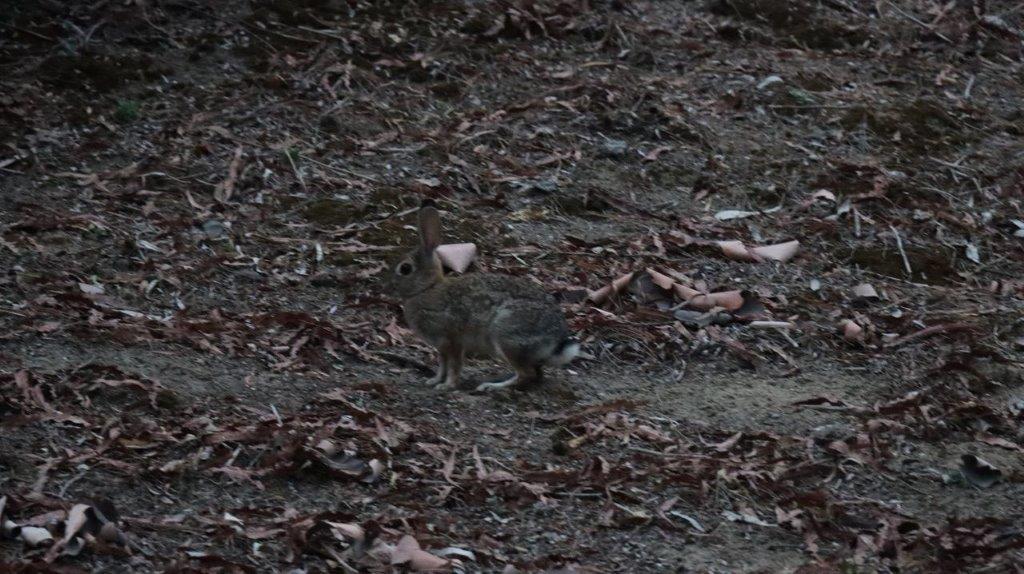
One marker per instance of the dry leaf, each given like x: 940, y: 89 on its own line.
x: 48, y: 327
x: 865, y: 291
x: 685, y: 293
x: 77, y: 519
x: 781, y: 252
x: 604, y: 293
x: 728, y: 300
x: 1000, y: 442
x: 746, y: 516
x: 35, y: 536
x: 851, y: 330
x: 349, y: 530
x: 91, y: 289
x: 727, y: 214
x: 408, y: 551
x: 226, y: 188
x: 971, y: 251
x: 736, y: 250
x: 728, y: 443
x: 656, y: 152
x: 659, y: 279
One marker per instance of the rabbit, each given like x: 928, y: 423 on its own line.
x: 479, y: 315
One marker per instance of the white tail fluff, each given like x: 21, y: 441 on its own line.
x: 565, y: 353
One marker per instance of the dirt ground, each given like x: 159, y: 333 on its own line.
x: 202, y: 368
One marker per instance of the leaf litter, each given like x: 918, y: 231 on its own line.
x: 254, y: 234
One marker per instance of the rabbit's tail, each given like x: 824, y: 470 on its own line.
x: 565, y: 352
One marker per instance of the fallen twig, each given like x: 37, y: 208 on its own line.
x: 933, y: 330
x: 903, y: 254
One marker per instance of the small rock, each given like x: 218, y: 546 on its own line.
x: 325, y: 279
x: 1020, y: 227
x: 768, y: 81
x: 831, y: 432
x: 613, y: 148
x: 979, y: 472
x: 214, y: 229
x: 330, y: 123
x: 699, y: 319
x: 249, y: 276
x: 693, y: 319
x: 543, y: 186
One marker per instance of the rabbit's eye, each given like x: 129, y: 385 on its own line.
x: 404, y: 268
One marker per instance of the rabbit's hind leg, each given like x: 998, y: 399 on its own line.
x: 485, y: 387
x: 526, y: 374
x: 517, y: 355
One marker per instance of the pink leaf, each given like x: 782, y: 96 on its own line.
x: 729, y: 300
x: 77, y: 519
x: 457, y: 256
x: 606, y: 292
x: 779, y: 252
x: 685, y: 293
x: 736, y: 250
x: 408, y: 551
x: 851, y: 330
x: 659, y: 279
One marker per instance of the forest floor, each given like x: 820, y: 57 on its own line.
x: 202, y: 368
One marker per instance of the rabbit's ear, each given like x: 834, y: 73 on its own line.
x: 430, y: 226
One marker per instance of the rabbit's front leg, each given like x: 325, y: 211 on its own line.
x: 442, y: 370
x: 453, y: 362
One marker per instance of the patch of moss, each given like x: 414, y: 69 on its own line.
x: 169, y: 400
x: 390, y: 197
x: 578, y: 203
x: 287, y: 201
x: 466, y: 229
x: 922, y: 124
x: 669, y: 175
x: 791, y: 100
x: 298, y: 12
x: 803, y: 22
x: 858, y: 117
x: 342, y: 258
x: 934, y: 265
x: 390, y: 232
x: 70, y: 72
x: 847, y: 179
x: 447, y: 90
x: 103, y: 74
x: 254, y: 54
x: 926, y: 118
x: 814, y: 81
x: 332, y: 211
x: 127, y: 111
